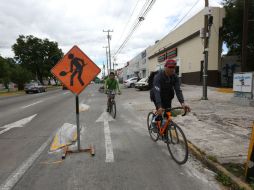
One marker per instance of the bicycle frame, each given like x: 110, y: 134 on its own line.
x: 162, y: 129
x: 111, y: 96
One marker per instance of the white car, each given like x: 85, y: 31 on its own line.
x: 130, y: 83
x: 142, y: 84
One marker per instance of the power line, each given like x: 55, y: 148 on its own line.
x: 186, y: 14
x: 145, y: 9
x: 128, y: 21
x: 134, y: 27
x: 136, y: 24
x: 156, y: 45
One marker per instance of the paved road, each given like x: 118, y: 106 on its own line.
x: 125, y: 158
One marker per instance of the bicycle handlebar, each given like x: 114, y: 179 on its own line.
x: 176, y: 108
x: 112, y: 92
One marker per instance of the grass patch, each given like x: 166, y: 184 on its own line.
x: 226, y: 181
x: 3, y: 94
x: 237, y: 169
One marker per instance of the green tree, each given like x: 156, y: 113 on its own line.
x: 5, y: 72
x: 20, y: 76
x: 233, y: 29
x: 36, y: 55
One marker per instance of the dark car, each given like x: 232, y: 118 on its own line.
x: 34, y: 88
x: 64, y: 87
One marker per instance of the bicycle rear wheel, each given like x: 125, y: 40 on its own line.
x: 153, y: 134
x: 177, y: 144
x: 113, y: 109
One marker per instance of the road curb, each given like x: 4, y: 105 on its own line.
x: 216, y: 167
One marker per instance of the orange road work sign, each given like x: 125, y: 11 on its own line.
x: 75, y: 70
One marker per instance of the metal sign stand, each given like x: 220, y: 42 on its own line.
x: 88, y: 150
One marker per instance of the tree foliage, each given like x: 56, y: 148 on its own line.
x: 20, y: 76
x: 232, y: 31
x: 5, y: 72
x: 37, y: 55
x: 12, y: 72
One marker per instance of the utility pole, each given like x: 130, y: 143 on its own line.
x: 109, y: 38
x: 104, y: 72
x: 206, y: 44
x: 107, y: 57
x: 245, y: 34
x: 114, y: 61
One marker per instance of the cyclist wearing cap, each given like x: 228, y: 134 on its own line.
x: 165, y: 85
x: 111, y: 84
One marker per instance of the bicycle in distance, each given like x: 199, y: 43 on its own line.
x: 111, y: 102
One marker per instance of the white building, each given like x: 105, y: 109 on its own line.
x: 138, y: 66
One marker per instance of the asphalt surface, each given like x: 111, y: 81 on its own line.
x: 138, y: 163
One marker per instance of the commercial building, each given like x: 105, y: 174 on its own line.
x: 185, y: 45
x: 137, y: 67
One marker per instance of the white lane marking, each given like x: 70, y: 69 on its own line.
x: 17, y: 124
x: 19, y: 172
x: 23, y: 107
x: 105, y: 118
x: 66, y: 93
x: 108, y: 143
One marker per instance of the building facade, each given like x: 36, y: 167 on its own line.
x: 186, y: 47
x: 138, y: 66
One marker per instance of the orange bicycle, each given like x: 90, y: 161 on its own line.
x: 163, y: 128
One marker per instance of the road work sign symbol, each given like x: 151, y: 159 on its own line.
x: 76, y: 70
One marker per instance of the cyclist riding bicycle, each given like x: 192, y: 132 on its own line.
x: 165, y: 85
x: 111, y: 84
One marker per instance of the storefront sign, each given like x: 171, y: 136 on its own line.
x: 167, y: 55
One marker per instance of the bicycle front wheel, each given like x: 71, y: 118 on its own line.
x: 113, y: 109
x: 152, y: 131
x: 177, y: 144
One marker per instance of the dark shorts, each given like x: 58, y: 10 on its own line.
x: 164, y: 104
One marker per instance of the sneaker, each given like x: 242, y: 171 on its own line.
x: 153, y: 126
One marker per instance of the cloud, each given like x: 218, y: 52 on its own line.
x: 81, y: 22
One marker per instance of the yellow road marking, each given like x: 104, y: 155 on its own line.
x: 225, y: 90
x: 55, y: 162
x: 250, y: 149
x: 56, y: 143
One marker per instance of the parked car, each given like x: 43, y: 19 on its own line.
x: 142, y: 84
x: 130, y: 83
x: 34, y: 88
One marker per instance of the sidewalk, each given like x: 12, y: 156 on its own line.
x: 217, y: 127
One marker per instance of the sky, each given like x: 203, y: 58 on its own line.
x: 81, y: 23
